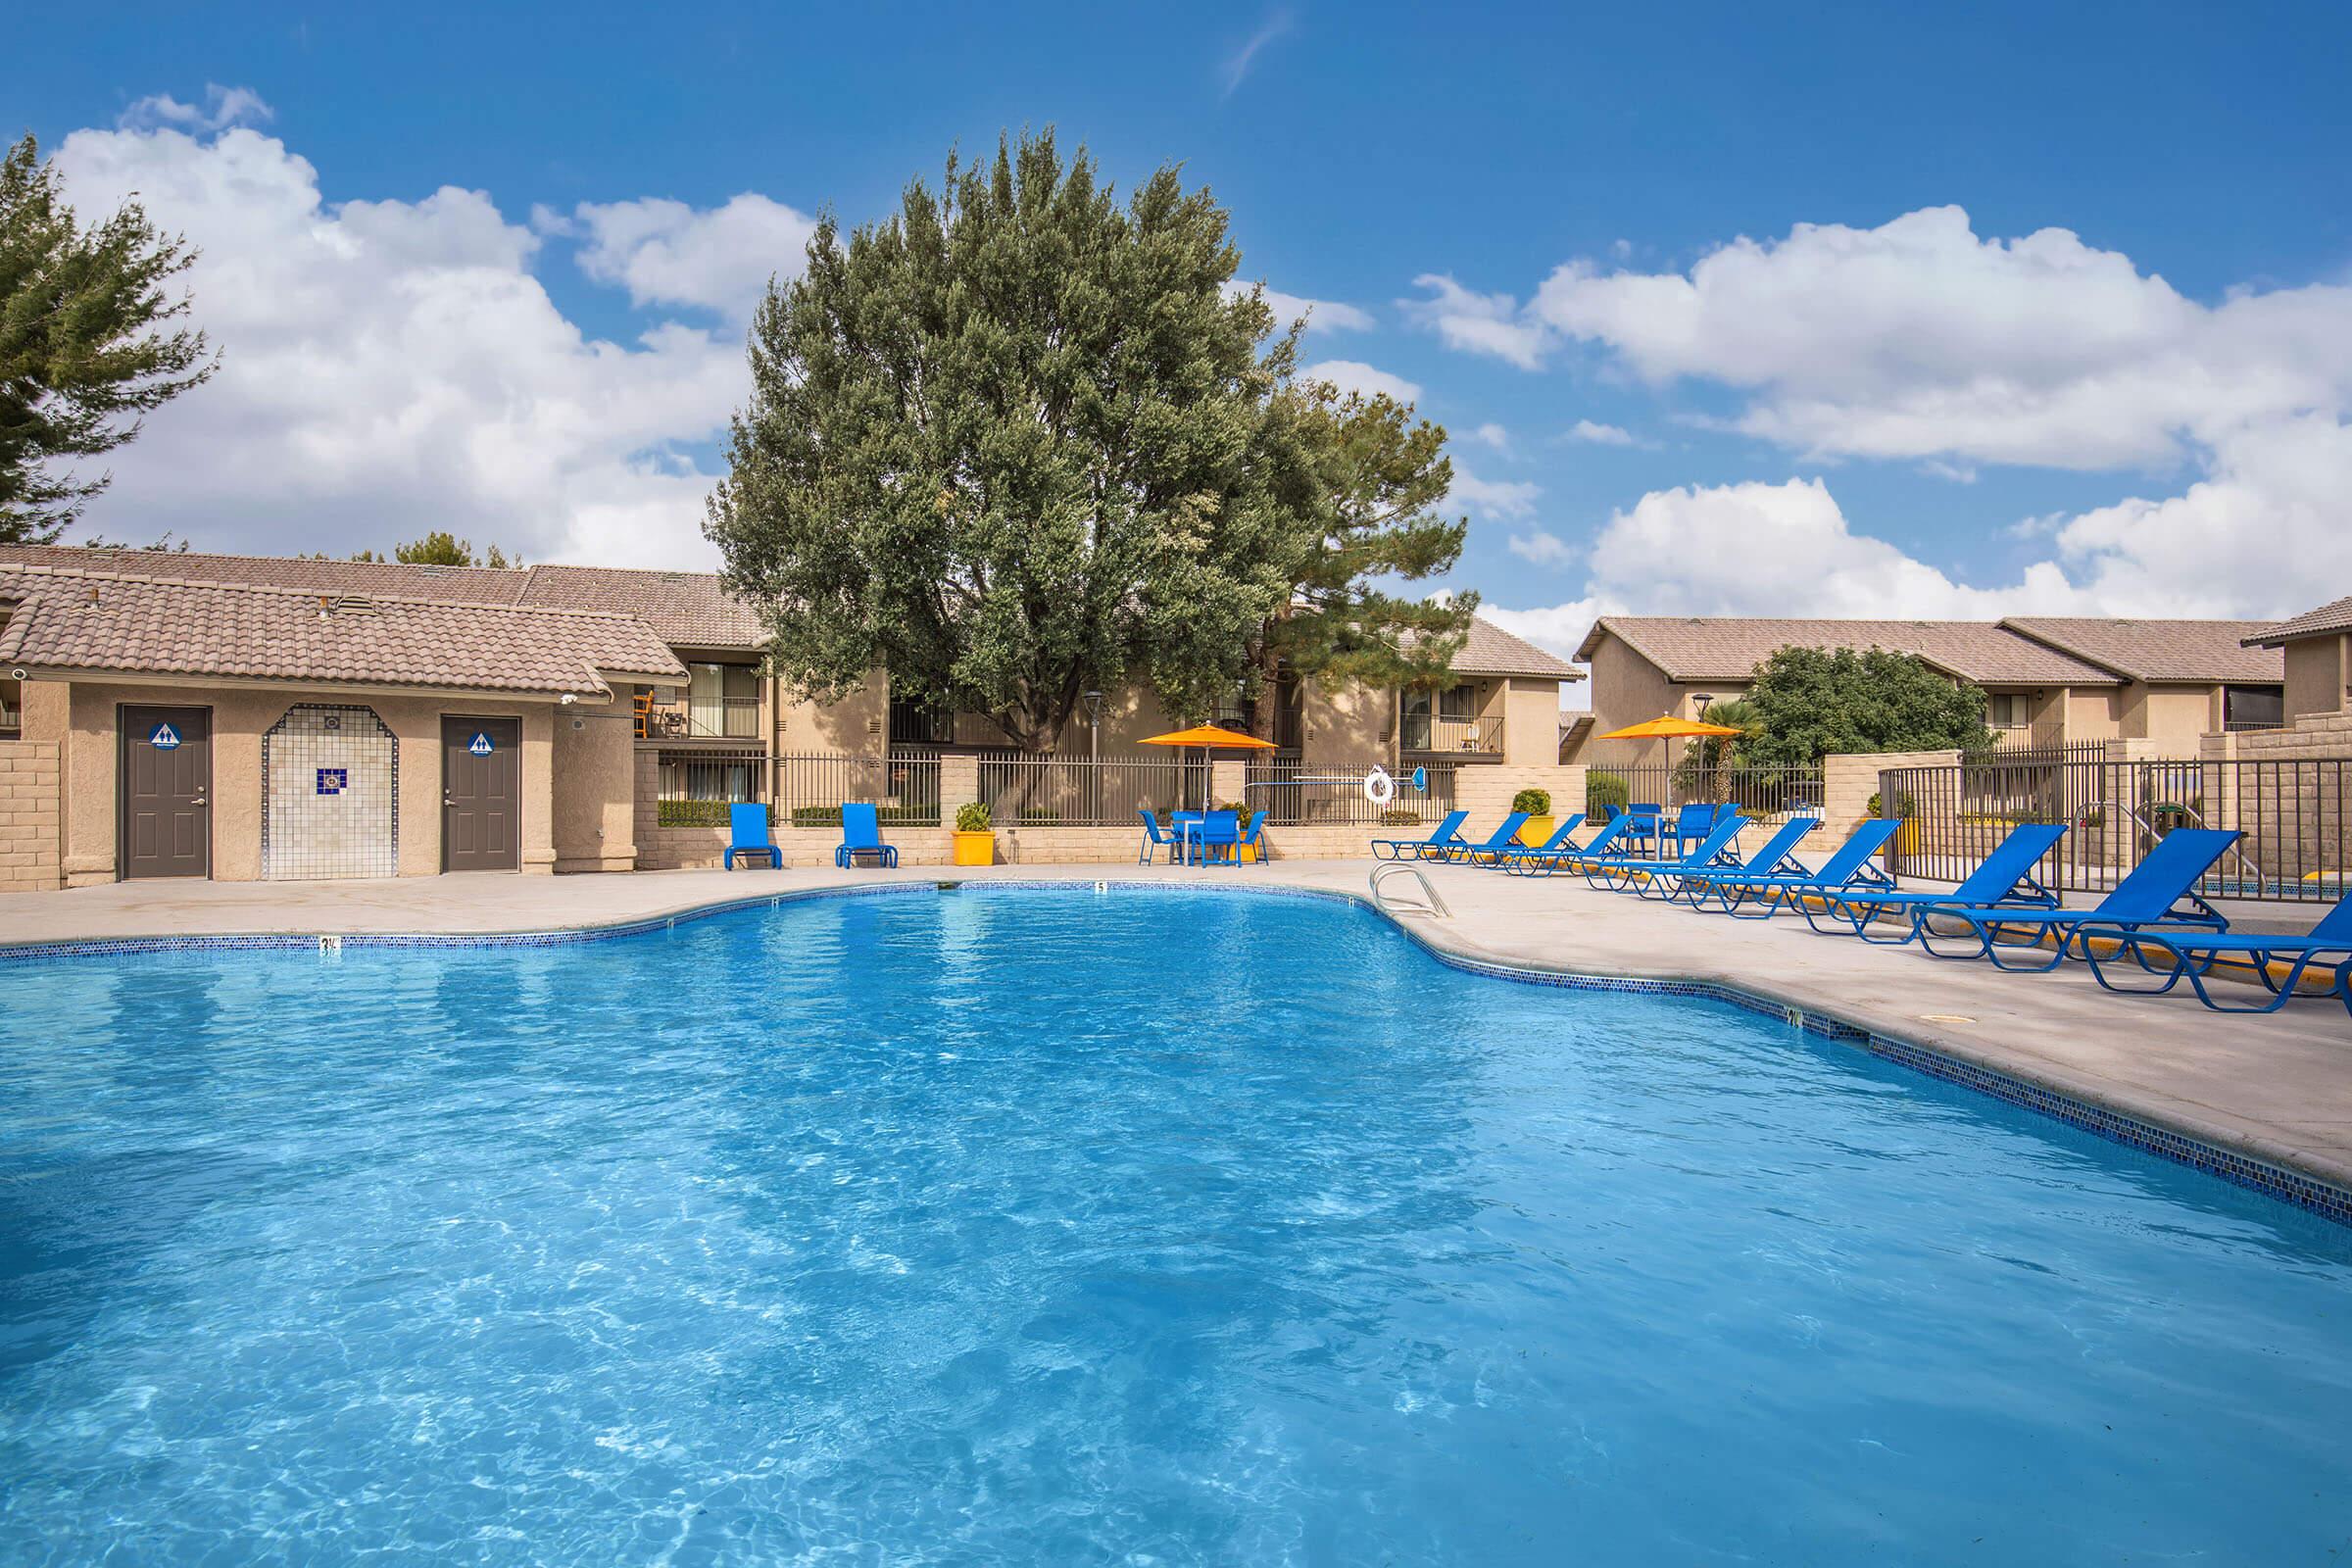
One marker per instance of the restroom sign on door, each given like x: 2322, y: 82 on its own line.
x: 165, y: 738
x: 480, y: 746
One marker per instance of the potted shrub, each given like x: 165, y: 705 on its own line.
x: 1537, y: 803
x: 975, y: 844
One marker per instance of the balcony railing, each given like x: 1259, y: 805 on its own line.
x: 738, y: 719
x: 1476, y: 737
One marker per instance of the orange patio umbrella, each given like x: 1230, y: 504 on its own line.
x: 1666, y: 727
x: 1209, y: 737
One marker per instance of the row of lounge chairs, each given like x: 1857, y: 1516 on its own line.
x: 2153, y: 921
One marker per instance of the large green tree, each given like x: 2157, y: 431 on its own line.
x: 1018, y: 443
x: 86, y: 345
x: 1808, y: 703
x: 1363, y: 519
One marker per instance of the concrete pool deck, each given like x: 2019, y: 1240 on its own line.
x: 2276, y: 1087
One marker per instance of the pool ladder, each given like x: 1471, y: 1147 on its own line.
x: 1429, y: 902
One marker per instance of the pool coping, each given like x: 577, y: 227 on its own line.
x: 2290, y: 1176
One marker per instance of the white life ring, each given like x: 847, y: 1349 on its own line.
x: 1378, y: 788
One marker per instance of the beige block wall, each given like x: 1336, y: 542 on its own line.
x: 91, y: 761
x: 1848, y: 781
x: 31, y: 795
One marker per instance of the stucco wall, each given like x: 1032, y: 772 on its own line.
x: 1628, y: 689
x: 2318, y: 672
x: 595, y: 789
x: 240, y: 716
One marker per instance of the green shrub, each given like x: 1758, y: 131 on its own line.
x: 1401, y: 817
x: 883, y: 815
x: 972, y: 818
x: 701, y: 814
x: 1534, y: 803
x: 1604, y: 790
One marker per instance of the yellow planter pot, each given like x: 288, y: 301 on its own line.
x: 1906, y: 838
x: 975, y: 848
x: 1248, y: 854
x: 1534, y: 831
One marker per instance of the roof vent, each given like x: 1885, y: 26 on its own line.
x: 347, y: 605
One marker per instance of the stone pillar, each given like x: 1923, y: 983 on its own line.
x: 959, y: 785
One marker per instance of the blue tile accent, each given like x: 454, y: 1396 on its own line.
x: 2298, y: 1188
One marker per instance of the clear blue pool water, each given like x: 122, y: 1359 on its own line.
x: 1039, y: 1226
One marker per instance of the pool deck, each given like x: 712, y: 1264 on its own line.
x: 2278, y: 1087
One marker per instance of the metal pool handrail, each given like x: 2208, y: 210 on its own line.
x: 1431, y: 903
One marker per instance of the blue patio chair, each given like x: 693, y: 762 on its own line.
x: 861, y: 834
x: 1545, y: 863
x: 1550, y: 846
x: 1848, y: 867
x: 1219, y: 833
x: 2005, y: 877
x: 1646, y: 827
x: 1154, y: 840
x: 747, y: 834
x: 2158, y: 897
x: 1692, y: 823
x: 1433, y: 847
x: 2195, y: 956
x: 1458, y: 853
x: 1254, y: 835
x: 1621, y: 872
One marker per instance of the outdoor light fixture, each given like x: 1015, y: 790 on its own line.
x: 1702, y: 699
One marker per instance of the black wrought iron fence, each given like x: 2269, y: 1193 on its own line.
x: 2294, y: 840
x: 1760, y: 793
x: 902, y: 785
x: 1082, y: 792
x: 1293, y: 791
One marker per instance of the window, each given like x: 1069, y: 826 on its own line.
x: 2007, y: 710
x: 2253, y: 707
x: 1458, y: 703
x: 918, y: 723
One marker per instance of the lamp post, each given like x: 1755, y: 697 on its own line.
x: 1093, y: 754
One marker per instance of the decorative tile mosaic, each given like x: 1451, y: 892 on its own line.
x: 330, y: 795
x: 2290, y: 1186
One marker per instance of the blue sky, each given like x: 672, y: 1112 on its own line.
x: 1534, y: 218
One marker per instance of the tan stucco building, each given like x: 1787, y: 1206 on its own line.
x: 260, y: 718
x: 2317, y: 646
x: 2048, y: 681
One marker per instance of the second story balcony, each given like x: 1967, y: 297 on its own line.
x: 719, y: 702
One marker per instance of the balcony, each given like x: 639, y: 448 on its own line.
x: 732, y: 719
x: 1470, y: 739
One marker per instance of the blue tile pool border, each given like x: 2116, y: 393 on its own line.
x: 2299, y: 1189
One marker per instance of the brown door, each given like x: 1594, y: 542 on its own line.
x: 166, y: 825
x: 481, y: 776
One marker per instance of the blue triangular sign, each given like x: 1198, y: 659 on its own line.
x: 165, y: 738
x: 480, y: 744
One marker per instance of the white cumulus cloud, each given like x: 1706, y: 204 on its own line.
x: 1592, y: 433
x: 666, y: 253
x: 222, y: 107
x: 1480, y: 323
x: 1493, y: 498
x: 1320, y: 316
x: 1354, y: 376
x: 391, y: 366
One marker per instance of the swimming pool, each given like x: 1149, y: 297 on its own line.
x: 1043, y: 1225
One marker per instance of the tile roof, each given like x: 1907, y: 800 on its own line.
x: 2324, y: 621
x: 1489, y: 649
x: 1729, y: 647
x: 65, y: 618
x: 685, y: 606
x: 2198, y: 652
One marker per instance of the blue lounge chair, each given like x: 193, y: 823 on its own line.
x: 1432, y: 848
x: 1843, y: 871
x: 1254, y: 835
x: 2157, y: 898
x: 747, y: 834
x: 1775, y: 857
x: 1618, y: 873
x: 1550, y: 846
x: 1154, y: 840
x: 1459, y: 853
x: 2196, y: 955
x: 1544, y: 862
x: 2004, y: 878
x: 861, y: 834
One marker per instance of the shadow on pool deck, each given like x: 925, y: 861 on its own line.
x: 2278, y: 1087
